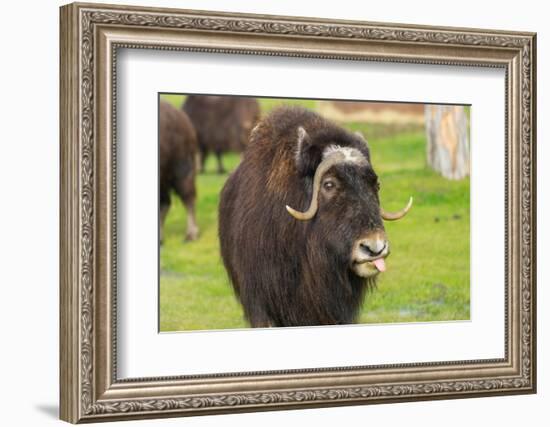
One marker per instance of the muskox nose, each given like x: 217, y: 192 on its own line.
x: 373, y: 246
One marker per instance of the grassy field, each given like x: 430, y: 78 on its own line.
x: 428, y: 272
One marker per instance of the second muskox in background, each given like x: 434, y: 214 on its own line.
x: 222, y: 123
x: 178, y: 152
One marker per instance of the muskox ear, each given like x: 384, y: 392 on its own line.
x: 308, y: 156
x: 360, y: 135
x: 362, y: 138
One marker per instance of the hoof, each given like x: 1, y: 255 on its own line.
x: 192, y: 235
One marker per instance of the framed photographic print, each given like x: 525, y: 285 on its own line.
x: 266, y: 212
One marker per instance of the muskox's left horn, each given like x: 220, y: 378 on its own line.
x: 324, y: 166
x: 392, y: 216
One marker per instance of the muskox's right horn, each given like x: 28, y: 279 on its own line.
x: 393, y: 216
x: 324, y: 166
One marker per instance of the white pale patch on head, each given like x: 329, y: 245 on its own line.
x: 351, y: 155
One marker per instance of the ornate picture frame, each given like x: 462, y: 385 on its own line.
x: 90, y: 37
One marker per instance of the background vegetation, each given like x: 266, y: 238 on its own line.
x: 428, y: 276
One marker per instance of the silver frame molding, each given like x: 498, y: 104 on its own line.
x: 90, y: 37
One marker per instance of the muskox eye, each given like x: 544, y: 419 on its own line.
x: 328, y: 185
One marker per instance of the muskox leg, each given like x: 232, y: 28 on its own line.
x: 262, y: 324
x: 185, y: 187
x: 221, y: 169
x: 254, y: 311
x: 164, y: 203
x: 192, y: 227
x: 260, y: 320
x: 204, y: 155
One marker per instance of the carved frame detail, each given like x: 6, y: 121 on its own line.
x: 89, y: 387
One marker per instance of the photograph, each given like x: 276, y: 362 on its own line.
x: 277, y: 212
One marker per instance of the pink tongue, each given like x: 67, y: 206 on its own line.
x: 380, y: 264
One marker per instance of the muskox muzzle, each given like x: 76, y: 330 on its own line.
x: 369, y: 253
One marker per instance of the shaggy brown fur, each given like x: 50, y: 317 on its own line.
x: 223, y: 123
x: 287, y: 272
x: 178, y: 152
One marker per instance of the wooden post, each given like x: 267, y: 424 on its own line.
x: 448, y: 141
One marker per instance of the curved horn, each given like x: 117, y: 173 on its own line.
x: 393, y: 216
x: 324, y: 166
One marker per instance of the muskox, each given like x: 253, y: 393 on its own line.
x: 300, y: 223
x: 223, y: 123
x: 178, y: 152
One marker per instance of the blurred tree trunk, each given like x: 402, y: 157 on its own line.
x: 448, y: 141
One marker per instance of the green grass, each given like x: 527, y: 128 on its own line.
x: 194, y: 291
x: 428, y: 271
x: 175, y: 100
x: 266, y: 104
